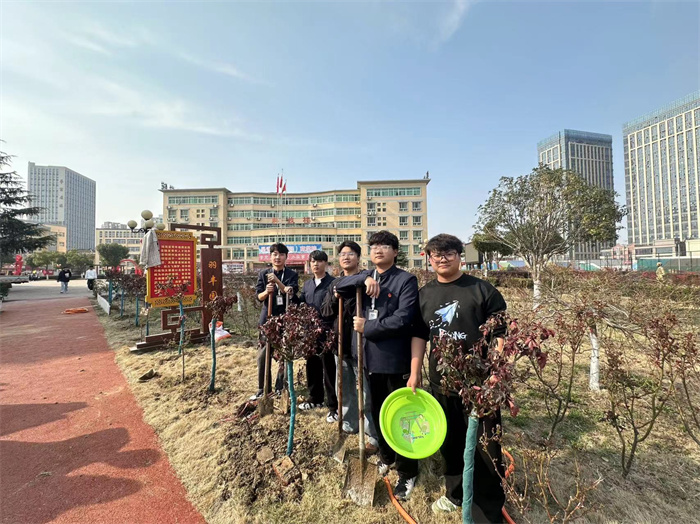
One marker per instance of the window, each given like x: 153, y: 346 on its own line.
x: 403, y: 221
x: 416, y: 249
x: 214, y: 213
x: 417, y: 206
x: 418, y: 235
x: 403, y: 207
x: 210, y: 199
x: 403, y: 235
x: 240, y: 201
x: 371, y: 221
x: 184, y: 213
x: 199, y: 213
x: 417, y: 221
x: 394, y: 191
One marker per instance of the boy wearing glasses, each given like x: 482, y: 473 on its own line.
x: 389, y: 305
x: 349, y: 254
x: 457, y: 304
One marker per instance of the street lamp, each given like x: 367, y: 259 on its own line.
x: 148, y: 223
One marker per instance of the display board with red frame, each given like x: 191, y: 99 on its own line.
x: 178, y: 254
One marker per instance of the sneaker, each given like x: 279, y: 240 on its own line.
x: 404, y: 487
x: 332, y: 416
x: 371, y: 449
x: 256, y: 396
x: 443, y: 505
x: 305, y: 406
x: 382, y: 468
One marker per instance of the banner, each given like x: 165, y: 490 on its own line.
x: 179, y: 261
x: 297, y: 252
x: 232, y: 267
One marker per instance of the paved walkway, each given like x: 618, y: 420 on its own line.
x: 73, y: 444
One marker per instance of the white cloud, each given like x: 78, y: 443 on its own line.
x: 219, y: 67
x: 85, y: 43
x: 452, y: 21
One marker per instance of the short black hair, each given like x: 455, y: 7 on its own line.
x: 280, y: 248
x: 444, y: 242
x: 352, y: 245
x: 319, y: 255
x: 384, y: 238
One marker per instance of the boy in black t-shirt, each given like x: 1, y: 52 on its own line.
x: 457, y: 304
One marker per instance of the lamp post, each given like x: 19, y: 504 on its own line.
x: 148, y: 223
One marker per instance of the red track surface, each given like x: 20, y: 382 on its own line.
x: 73, y: 444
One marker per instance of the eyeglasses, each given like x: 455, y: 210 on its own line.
x: 449, y: 256
x: 377, y: 247
x: 350, y: 254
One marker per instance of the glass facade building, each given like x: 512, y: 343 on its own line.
x: 589, y: 155
x: 67, y: 199
x: 662, y: 158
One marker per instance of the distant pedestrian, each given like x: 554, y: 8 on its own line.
x: 64, y: 278
x: 660, y: 272
x: 91, y: 275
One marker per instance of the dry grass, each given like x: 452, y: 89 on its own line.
x: 214, y: 454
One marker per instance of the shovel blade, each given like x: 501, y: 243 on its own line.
x: 360, y: 482
x: 265, y: 406
x: 339, y: 449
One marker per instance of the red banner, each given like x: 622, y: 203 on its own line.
x: 178, y: 260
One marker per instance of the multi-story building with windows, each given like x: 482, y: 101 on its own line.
x: 662, y: 164
x: 67, y: 199
x: 117, y: 233
x: 589, y: 155
x: 250, y: 222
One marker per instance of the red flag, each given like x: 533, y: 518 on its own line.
x: 278, y: 189
x: 284, y: 187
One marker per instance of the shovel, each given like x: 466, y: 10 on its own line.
x: 339, y: 446
x: 360, y: 479
x: 265, y: 404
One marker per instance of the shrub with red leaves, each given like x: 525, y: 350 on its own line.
x: 297, y: 333
x: 483, y: 375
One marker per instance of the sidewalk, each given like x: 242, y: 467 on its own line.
x: 73, y: 444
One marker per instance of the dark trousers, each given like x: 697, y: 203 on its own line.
x: 91, y: 283
x: 488, y: 490
x: 380, y: 386
x: 320, y: 376
x: 279, y: 381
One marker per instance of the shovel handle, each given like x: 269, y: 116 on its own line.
x: 266, y: 381
x: 360, y: 378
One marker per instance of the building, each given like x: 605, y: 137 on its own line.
x: 117, y: 233
x: 662, y: 182
x: 250, y: 222
x: 59, y: 232
x: 67, y: 199
x: 589, y: 155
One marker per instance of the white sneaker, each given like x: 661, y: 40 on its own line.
x: 383, y: 468
x: 443, y: 505
x: 305, y: 406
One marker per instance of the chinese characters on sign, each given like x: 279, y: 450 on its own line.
x: 297, y: 252
x: 178, y: 257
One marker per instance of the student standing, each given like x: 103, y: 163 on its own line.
x: 64, y: 277
x: 457, y: 304
x: 349, y: 254
x: 91, y: 275
x: 389, y: 304
x: 320, y: 368
x: 282, y: 284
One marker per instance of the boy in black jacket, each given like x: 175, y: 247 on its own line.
x: 278, y: 282
x: 320, y: 369
x: 457, y: 304
x: 389, y: 305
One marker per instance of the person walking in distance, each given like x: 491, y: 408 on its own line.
x: 282, y: 284
x: 457, y: 304
x: 389, y: 303
x: 320, y: 368
x: 64, y: 277
x: 349, y: 254
x: 91, y: 275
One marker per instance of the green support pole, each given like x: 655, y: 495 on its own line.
x: 212, y: 333
x: 182, y: 328
x: 293, y: 409
x: 109, y: 293
x: 468, y: 473
x: 121, y: 307
x: 136, y: 322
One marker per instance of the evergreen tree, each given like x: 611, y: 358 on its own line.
x: 16, y: 235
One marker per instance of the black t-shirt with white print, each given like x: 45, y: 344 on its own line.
x: 458, y: 308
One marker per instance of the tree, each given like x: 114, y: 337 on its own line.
x: 78, y: 261
x: 42, y: 259
x: 402, y: 258
x: 112, y: 254
x: 490, y: 248
x: 16, y: 235
x: 545, y: 213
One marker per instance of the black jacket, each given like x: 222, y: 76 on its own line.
x: 64, y: 276
x: 289, y: 277
x: 387, y: 340
x: 313, y: 295
x: 329, y: 312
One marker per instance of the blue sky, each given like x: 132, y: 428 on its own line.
x: 211, y: 94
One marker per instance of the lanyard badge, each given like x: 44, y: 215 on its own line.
x: 373, y: 314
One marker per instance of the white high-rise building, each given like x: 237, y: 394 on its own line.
x: 68, y: 199
x: 662, y: 179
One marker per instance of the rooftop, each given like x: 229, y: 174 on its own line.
x: 671, y: 109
